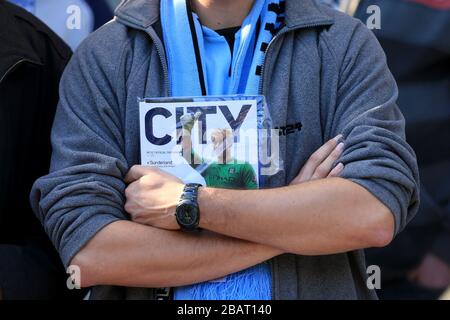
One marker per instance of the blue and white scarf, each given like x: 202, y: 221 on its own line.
x: 251, y: 42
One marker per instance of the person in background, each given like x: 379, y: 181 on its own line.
x: 32, y: 59
x: 72, y: 20
x: 414, y: 36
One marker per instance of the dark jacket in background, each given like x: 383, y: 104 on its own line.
x: 416, y: 39
x: 32, y: 59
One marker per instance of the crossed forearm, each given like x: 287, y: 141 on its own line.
x: 125, y: 253
x: 318, y: 217
x: 314, y: 218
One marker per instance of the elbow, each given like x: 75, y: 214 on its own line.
x: 379, y: 230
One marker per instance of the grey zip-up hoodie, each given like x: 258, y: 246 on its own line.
x: 324, y: 69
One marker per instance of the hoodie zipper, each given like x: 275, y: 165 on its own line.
x: 14, y: 66
x: 263, y: 68
x: 162, y: 56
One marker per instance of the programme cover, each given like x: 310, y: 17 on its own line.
x: 208, y: 140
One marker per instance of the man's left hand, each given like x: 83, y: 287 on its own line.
x: 152, y: 197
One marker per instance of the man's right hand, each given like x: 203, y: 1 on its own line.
x: 320, y: 164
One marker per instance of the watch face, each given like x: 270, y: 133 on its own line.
x: 187, y: 214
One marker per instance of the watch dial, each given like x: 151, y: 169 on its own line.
x: 187, y: 214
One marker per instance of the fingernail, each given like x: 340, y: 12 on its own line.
x: 340, y: 146
x: 339, y: 137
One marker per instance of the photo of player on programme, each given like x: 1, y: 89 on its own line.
x: 225, y: 172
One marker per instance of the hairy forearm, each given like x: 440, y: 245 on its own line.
x: 125, y: 253
x: 314, y: 218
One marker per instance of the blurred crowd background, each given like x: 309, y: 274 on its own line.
x: 415, y: 35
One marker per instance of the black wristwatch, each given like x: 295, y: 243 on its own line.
x: 188, y: 211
